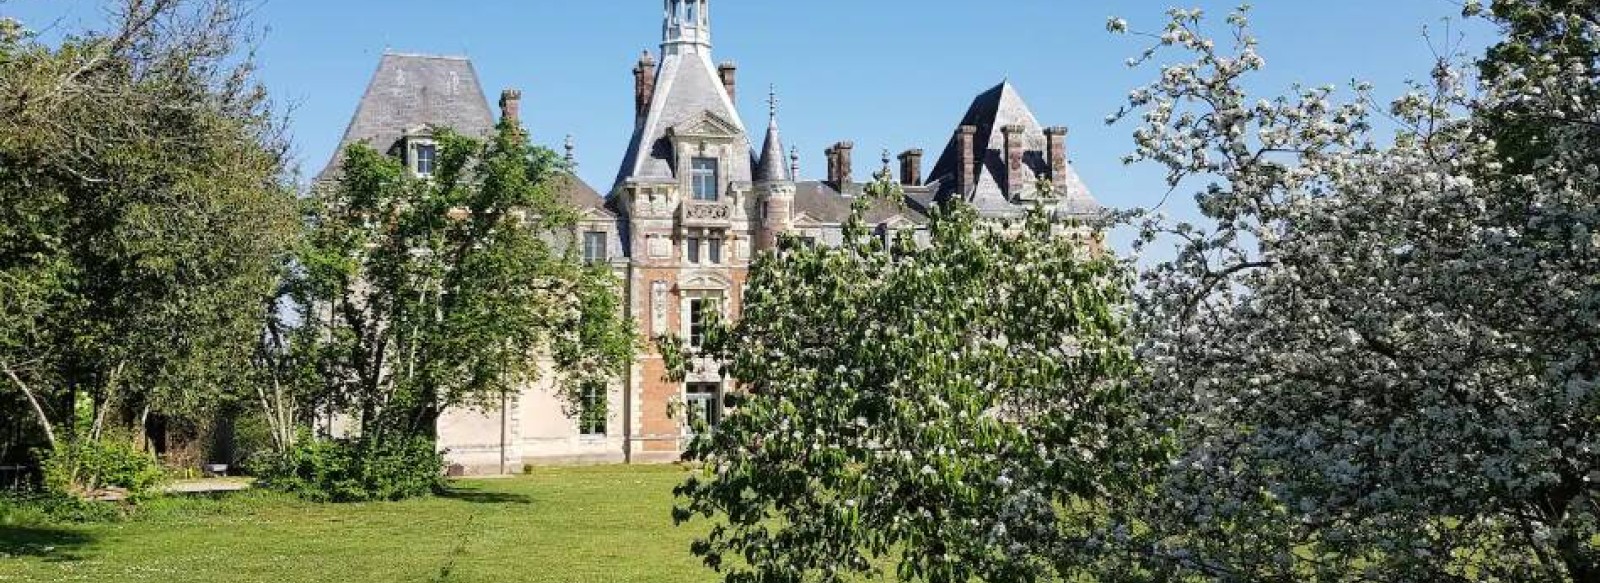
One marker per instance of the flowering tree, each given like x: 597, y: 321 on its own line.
x: 1386, y: 350
x: 949, y: 412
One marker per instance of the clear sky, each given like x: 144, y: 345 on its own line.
x: 892, y: 74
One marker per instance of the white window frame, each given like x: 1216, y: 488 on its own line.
x: 698, y: 174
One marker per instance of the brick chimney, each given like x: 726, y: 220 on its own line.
x: 1014, y: 167
x: 839, y: 168
x: 1056, y: 137
x: 966, y: 175
x: 511, y: 107
x: 644, y: 85
x: 911, y: 168
x: 727, y: 71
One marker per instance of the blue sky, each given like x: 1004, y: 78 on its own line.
x: 890, y: 74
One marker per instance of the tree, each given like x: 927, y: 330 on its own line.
x: 1385, y: 351
x: 426, y: 293
x: 143, y: 210
x: 955, y: 412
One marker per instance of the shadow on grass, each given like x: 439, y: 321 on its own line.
x: 50, y: 544
x: 473, y: 496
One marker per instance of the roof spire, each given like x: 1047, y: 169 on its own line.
x: 770, y: 168
x: 571, y: 146
x: 794, y: 162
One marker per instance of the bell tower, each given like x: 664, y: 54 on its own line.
x: 686, y: 28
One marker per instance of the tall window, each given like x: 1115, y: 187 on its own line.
x: 703, y: 178
x: 714, y: 249
x: 594, y: 246
x: 592, y: 410
x: 426, y: 153
x: 691, y: 250
x: 702, y: 312
x: 703, y: 406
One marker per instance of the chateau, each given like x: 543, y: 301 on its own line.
x: 697, y: 197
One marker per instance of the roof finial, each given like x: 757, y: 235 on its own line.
x: 571, y: 146
x: 794, y: 163
x: 772, y: 101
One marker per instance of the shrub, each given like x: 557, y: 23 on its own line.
x: 355, y: 470
x: 83, y: 467
x: 19, y: 509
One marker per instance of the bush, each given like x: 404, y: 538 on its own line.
x: 84, y: 467
x: 355, y: 470
x: 20, y: 509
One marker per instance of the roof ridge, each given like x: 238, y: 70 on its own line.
x: 393, y: 53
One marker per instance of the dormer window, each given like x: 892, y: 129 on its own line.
x: 423, y: 157
x: 703, y: 178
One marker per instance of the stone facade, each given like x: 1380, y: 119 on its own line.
x: 692, y: 205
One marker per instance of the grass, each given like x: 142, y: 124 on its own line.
x: 570, y: 525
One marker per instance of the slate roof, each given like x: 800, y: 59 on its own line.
x: 825, y: 204
x: 574, y: 191
x: 687, y: 87
x: 990, y: 112
x: 772, y: 167
x: 410, y: 92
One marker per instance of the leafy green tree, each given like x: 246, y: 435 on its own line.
x: 951, y: 412
x: 427, y: 293
x: 144, y: 208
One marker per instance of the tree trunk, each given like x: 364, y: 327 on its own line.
x: 33, y: 401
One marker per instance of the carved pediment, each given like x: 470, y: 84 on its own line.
x: 706, y: 125
x: 704, y: 280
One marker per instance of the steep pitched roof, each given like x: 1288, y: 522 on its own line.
x: 687, y: 88
x: 409, y: 92
x: 574, y: 191
x: 991, y: 111
x: 773, y: 167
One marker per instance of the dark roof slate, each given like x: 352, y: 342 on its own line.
x: 991, y: 111
x: 409, y: 92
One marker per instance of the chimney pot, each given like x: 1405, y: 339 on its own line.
x: 1057, y: 151
x: 644, y: 85
x: 911, y: 168
x: 966, y: 177
x: 843, y: 172
x: 1015, y: 178
x: 511, y: 106
x: 728, y: 71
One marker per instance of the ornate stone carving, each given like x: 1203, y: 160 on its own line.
x: 658, y: 308
x: 706, y: 211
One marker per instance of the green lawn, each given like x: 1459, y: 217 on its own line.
x: 569, y: 525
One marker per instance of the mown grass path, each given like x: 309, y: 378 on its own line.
x: 570, y: 525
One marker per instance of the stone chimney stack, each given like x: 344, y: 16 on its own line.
x: 644, y: 85
x: 727, y: 71
x: 511, y: 107
x: 966, y: 177
x: 911, y: 168
x: 1014, y: 167
x: 840, y: 172
x: 1056, y: 137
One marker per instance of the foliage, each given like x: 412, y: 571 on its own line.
x: 425, y: 293
x: 960, y: 411
x: 82, y: 467
x: 143, y: 209
x: 31, y: 509
x: 355, y: 470
x: 1386, y: 349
